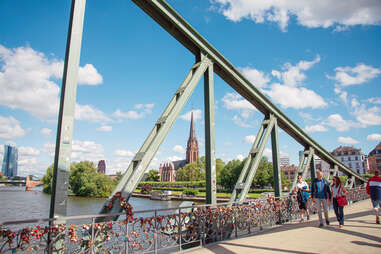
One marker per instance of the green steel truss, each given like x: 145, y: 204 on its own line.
x: 209, y: 61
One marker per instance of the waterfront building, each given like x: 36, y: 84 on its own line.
x: 284, y: 160
x: 374, y: 159
x: 10, y: 160
x: 351, y: 157
x: 323, y: 166
x: 168, y: 169
x: 101, y: 167
x: 289, y: 171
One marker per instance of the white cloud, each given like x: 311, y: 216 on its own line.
x: 235, y: 101
x: 336, y: 121
x: 105, y: 128
x: 240, y: 157
x: 49, y: 148
x: 249, y: 139
x: 268, y: 153
x: 28, y: 80
x: 374, y: 137
x: 27, y: 161
x: 306, y: 116
x: 347, y: 140
x: 28, y: 151
x: 142, y: 111
x: 368, y: 116
x: 10, y: 127
x: 197, y: 113
x: 375, y: 100
x: 46, y: 132
x: 295, y: 97
x: 315, y: 128
x: 360, y: 74
x: 89, y: 113
x: 290, y: 92
x: 124, y: 153
x: 88, y: 75
x: 240, y: 122
x: 178, y: 149
x: 308, y: 13
x: 174, y: 158
x: 257, y: 77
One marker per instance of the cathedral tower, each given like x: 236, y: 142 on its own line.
x: 192, y: 145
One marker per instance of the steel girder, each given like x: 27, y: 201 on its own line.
x: 143, y: 157
x: 304, y: 164
x: 252, y: 161
x: 180, y: 29
x: 61, y: 170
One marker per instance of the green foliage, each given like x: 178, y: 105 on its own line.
x: 153, y: 176
x: 3, y: 177
x: 47, y: 180
x: 175, y: 184
x: 83, y: 180
x: 190, y: 192
x: 192, y: 172
x: 343, y: 179
x: 146, y: 189
x: 230, y: 173
x: 118, y: 176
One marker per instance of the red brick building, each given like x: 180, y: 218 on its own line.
x: 374, y: 159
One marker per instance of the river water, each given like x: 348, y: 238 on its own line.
x: 16, y: 204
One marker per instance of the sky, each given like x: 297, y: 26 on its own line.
x: 318, y: 61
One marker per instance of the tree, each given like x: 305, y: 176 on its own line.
x: 152, y: 176
x: 47, y: 180
x: 191, y: 172
x: 230, y: 173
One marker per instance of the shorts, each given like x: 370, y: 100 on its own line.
x: 376, y: 203
x: 302, y: 206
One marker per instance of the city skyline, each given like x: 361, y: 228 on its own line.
x: 322, y: 71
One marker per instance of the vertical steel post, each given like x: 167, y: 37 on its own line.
x: 276, y: 160
x: 210, y: 150
x: 313, y: 168
x: 66, y: 112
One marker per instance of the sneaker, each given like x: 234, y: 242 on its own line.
x: 301, y: 220
x: 327, y: 221
x: 308, y: 217
x: 377, y: 220
x: 341, y: 226
x: 321, y: 225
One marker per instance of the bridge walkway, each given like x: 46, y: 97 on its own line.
x: 360, y: 235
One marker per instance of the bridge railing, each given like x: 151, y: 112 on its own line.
x: 153, y: 231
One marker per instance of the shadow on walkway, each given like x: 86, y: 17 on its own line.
x: 221, y: 249
x: 366, y: 244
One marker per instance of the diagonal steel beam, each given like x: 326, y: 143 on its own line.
x: 248, y: 172
x: 143, y: 157
x: 180, y: 29
x: 304, y: 163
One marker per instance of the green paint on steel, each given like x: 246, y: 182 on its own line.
x: 62, y: 156
x: 210, y: 150
x: 276, y: 160
x: 180, y: 29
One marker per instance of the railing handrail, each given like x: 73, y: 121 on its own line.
x: 77, y: 217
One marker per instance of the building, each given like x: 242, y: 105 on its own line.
x: 374, y: 159
x: 289, y: 171
x: 101, y: 167
x: 351, y: 157
x: 168, y: 169
x: 284, y: 160
x: 323, y: 166
x: 10, y: 160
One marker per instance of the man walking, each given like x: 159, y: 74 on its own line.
x: 373, y: 188
x: 321, y: 194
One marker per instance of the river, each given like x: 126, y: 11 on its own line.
x: 16, y: 204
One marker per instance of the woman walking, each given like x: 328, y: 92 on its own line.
x: 303, y: 195
x: 338, y: 191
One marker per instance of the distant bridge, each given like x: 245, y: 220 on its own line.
x: 28, y: 182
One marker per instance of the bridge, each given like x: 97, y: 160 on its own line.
x: 183, y: 227
x: 29, y: 183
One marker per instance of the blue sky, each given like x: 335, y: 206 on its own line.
x: 320, y: 63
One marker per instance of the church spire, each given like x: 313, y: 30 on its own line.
x: 192, y: 146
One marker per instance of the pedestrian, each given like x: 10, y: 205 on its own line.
x: 373, y: 188
x: 302, y: 193
x: 338, y: 190
x: 321, y: 195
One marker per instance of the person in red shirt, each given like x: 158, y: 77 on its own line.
x: 373, y: 188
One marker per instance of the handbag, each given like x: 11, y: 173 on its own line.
x: 341, y: 200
